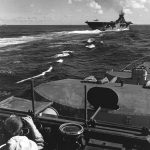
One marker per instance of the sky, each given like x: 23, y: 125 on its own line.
x: 71, y: 12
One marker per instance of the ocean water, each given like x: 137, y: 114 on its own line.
x: 58, y: 52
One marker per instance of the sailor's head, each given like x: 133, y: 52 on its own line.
x: 13, y: 125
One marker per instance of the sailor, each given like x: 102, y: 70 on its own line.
x: 16, y: 140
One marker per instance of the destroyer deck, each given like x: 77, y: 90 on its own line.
x: 133, y: 100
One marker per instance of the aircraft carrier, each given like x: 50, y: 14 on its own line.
x: 120, y: 23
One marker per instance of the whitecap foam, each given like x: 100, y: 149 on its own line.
x: 14, y: 41
x: 51, y: 35
x: 61, y: 55
x: 25, y: 39
x: 60, y: 61
x: 97, y: 31
x: 37, y: 76
x: 8, y: 49
x: 17, y: 62
x: 117, y: 30
x: 5, y: 72
x: 64, y: 54
x: 53, y: 46
x: 67, y: 51
x: 85, y: 32
x: 126, y: 29
x: 91, y: 40
x: 90, y: 46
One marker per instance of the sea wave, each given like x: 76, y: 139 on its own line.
x: 8, y: 49
x: 96, y: 31
x: 63, y: 54
x: 54, y: 46
x: 43, y: 73
x: 67, y: 51
x: 4, y: 93
x: 6, y: 72
x: 37, y: 76
x: 117, y: 30
x: 13, y: 41
x: 17, y: 62
x: 69, y: 42
x: 85, y: 32
x: 60, y: 61
x: 24, y: 39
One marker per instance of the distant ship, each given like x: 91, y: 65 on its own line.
x: 120, y: 23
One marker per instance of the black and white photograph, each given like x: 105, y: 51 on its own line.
x: 74, y: 74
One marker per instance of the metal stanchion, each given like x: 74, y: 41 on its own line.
x: 85, y: 113
x: 33, y: 96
